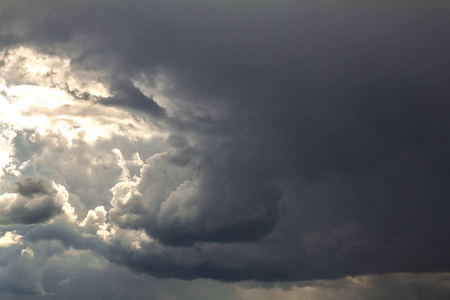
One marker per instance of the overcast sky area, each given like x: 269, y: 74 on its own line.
x: 224, y: 150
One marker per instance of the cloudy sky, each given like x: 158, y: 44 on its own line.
x: 224, y: 149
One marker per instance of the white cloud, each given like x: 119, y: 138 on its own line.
x: 95, y: 222
x: 6, y: 147
x: 63, y: 138
x: 10, y: 238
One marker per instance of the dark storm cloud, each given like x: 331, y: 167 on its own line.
x: 32, y: 202
x: 262, y: 261
x: 345, y: 105
x: 125, y: 94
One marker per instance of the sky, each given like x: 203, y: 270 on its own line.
x: 224, y: 149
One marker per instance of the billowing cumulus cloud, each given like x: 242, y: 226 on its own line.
x: 269, y: 141
x: 184, y: 196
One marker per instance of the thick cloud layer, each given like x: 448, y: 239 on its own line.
x: 234, y: 140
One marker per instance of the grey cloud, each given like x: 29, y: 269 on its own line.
x: 32, y: 202
x: 80, y: 283
x: 29, y: 187
x: 66, y: 235
x: 125, y: 94
x: 48, y: 155
x: 229, y: 262
x: 386, y: 286
x: 77, y: 94
x: 185, y: 196
x: 21, y: 277
x: 71, y: 274
x: 343, y: 105
x: 19, y: 274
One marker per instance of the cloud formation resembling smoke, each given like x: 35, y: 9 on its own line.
x: 267, y: 141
